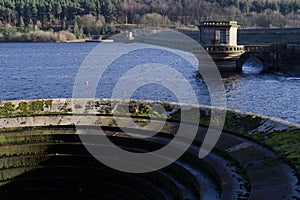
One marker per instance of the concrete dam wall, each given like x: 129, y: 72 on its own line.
x: 42, y: 155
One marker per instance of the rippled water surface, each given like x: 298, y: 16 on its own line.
x: 30, y: 71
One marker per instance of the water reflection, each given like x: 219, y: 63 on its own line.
x: 252, y: 66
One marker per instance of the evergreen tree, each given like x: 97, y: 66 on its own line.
x: 64, y: 24
x: 30, y: 22
x: 62, y: 13
x: 76, y: 30
x: 21, y: 23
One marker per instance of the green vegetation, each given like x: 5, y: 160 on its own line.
x: 23, y: 106
x: 244, y: 124
x: 12, y: 34
x: 285, y: 143
x: 140, y: 110
x: 6, y: 109
x: 142, y: 120
x: 36, y: 106
x: 31, y: 108
x: 51, y: 20
x: 143, y: 110
x: 48, y: 103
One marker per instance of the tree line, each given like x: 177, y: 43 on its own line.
x: 95, y: 16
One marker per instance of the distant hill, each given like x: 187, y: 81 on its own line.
x: 92, y: 17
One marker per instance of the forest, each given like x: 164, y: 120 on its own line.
x: 94, y: 17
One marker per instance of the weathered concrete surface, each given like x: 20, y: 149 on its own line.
x: 60, y: 112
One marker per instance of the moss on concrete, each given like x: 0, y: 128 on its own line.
x: 285, y: 143
x: 48, y: 103
x: 143, y: 110
x: 23, y: 150
x: 241, y: 124
x: 23, y: 106
x: 6, y: 109
x: 36, y: 106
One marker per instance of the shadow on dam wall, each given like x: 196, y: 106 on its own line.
x: 42, y: 156
x: 58, y: 166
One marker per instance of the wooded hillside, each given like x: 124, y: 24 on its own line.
x: 93, y: 16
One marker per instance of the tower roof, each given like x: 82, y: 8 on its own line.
x: 218, y: 24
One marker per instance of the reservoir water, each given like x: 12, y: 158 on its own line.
x: 48, y: 70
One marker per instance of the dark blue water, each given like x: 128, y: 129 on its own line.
x: 48, y: 70
x: 29, y: 71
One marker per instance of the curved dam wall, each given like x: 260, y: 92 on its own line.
x: 59, y: 112
x: 42, y: 156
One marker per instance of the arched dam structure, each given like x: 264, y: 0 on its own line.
x: 279, y: 56
x: 273, y: 55
x: 42, y: 156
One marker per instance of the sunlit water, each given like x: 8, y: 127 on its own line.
x: 31, y: 71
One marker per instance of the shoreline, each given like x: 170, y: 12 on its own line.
x: 68, y: 41
x: 258, y: 35
x: 89, y: 40
x: 76, y: 41
x: 86, y: 40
